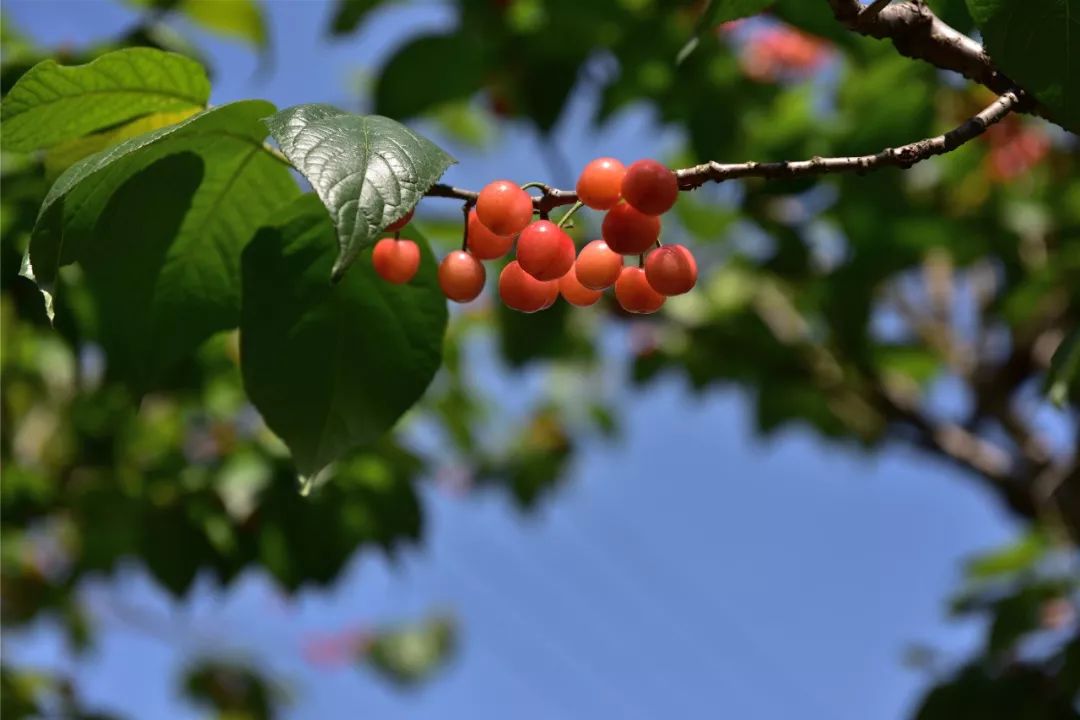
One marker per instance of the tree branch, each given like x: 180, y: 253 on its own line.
x: 693, y: 177
x: 918, y: 33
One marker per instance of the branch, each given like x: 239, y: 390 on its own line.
x: 918, y: 33
x: 693, y: 177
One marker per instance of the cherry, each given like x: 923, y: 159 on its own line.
x: 628, y: 231
x: 671, y: 270
x: 600, y: 184
x: 575, y: 293
x: 461, y: 276
x: 521, y: 291
x: 598, y: 266
x: 634, y: 293
x: 399, y: 224
x: 504, y: 208
x: 650, y: 187
x: 395, y: 260
x: 545, y: 251
x: 484, y: 244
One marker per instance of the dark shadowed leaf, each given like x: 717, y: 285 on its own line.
x: 163, y: 264
x: 52, y: 103
x: 368, y: 170
x: 332, y: 367
x: 1036, y: 43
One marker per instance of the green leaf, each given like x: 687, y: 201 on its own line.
x: 1063, y: 380
x: 162, y: 252
x: 332, y: 367
x: 52, y: 103
x: 350, y: 13
x: 239, y: 19
x: 1037, y: 44
x: 1013, y: 558
x: 368, y: 170
x: 423, y: 60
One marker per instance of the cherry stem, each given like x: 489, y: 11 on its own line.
x: 536, y: 184
x: 573, y: 209
x: 465, y: 207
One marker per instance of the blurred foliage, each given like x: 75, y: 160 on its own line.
x: 1030, y: 666
x: 410, y: 654
x: 235, y: 691
x: 838, y: 304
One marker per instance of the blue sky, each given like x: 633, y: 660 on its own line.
x: 687, y: 569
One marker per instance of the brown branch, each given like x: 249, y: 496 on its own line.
x: 693, y: 177
x: 918, y: 33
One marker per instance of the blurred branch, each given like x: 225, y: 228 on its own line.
x: 918, y: 33
x: 1030, y: 484
x: 693, y: 177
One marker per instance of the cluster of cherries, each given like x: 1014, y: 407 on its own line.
x: 545, y: 265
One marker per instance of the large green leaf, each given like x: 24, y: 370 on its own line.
x: 52, y: 103
x: 368, y: 170
x: 1037, y: 44
x: 162, y: 257
x: 332, y: 367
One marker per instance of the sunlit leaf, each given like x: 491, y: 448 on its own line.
x: 368, y: 170
x: 52, y: 103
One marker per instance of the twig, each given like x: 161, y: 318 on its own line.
x: 689, y: 178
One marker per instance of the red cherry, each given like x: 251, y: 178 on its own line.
x: 461, y: 276
x: 634, y: 293
x: 396, y: 261
x: 650, y: 187
x: 545, y: 251
x: 399, y: 224
x: 504, y: 207
x: 598, y: 266
x: 629, y: 232
x: 484, y: 244
x: 575, y: 293
x: 671, y: 270
x: 521, y: 291
x: 600, y: 184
